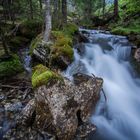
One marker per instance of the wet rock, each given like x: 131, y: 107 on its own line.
x: 82, y: 38
x: 13, y: 107
x: 2, y: 97
x: 64, y: 108
x: 137, y: 55
x: 80, y: 48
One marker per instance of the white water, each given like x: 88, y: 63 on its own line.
x: 119, y: 117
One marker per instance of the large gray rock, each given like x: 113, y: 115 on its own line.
x: 63, y: 109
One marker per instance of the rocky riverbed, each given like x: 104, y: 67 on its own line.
x: 14, y: 95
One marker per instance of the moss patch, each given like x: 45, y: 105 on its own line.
x: 70, y: 29
x: 60, y: 50
x: 42, y: 75
x: 10, y: 67
x: 62, y: 46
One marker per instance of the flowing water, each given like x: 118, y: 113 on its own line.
x: 107, y: 56
x: 25, y: 59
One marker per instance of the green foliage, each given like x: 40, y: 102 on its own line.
x: 30, y: 28
x: 70, y: 29
x: 10, y: 67
x: 126, y: 31
x: 42, y: 76
x: 129, y: 21
x: 17, y: 41
x: 23, y: 7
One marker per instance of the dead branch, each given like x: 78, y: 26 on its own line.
x: 104, y: 94
x: 14, y: 87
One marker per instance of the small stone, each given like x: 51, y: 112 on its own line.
x: 13, y: 107
x: 2, y: 97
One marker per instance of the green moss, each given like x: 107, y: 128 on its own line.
x: 62, y: 46
x: 57, y: 34
x: 10, y: 67
x: 61, y: 49
x: 70, y: 29
x: 42, y: 75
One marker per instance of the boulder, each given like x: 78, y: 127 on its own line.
x: 63, y: 108
x: 57, y: 53
x: 137, y: 55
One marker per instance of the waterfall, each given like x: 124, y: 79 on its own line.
x: 118, y: 118
x: 25, y: 58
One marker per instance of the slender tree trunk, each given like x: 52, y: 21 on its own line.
x: 64, y: 12
x: 55, y: 14
x: 48, y: 22
x: 116, y: 14
x: 104, y: 4
x: 87, y: 11
x: 3, y: 42
x: 4, y: 11
x: 40, y: 3
x: 31, y: 9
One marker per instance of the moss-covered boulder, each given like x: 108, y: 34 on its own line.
x: 43, y: 75
x: 10, y: 67
x: 70, y: 29
x: 58, y: 53
x: 62, y: 52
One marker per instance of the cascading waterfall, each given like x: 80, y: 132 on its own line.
x: 26, y: 59
x: 107, y: 56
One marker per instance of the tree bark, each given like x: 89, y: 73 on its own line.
x: 104, y: 4
x: 116, y: 8
x: 64, y: 12
x: 31, y: 9
x: 40, y: 3
x: 48, y: 22
x: 55, y: 16
x: 4, y: 42
x: 88, y: 10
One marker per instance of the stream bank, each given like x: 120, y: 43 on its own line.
x: 121, y: 49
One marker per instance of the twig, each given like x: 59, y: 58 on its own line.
x: 104, y: 94
x: 14, y: 30
x: 15, y: 87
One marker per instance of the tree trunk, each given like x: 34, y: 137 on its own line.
x: 55, y: 13
x: 40, y: 3
x: 88, y: 10
x: 116, y: 9
x: 64, y: 12
x: 48, y: 22
x: 31, y: 9
x: 3, y: 42
x: 104, y: 4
